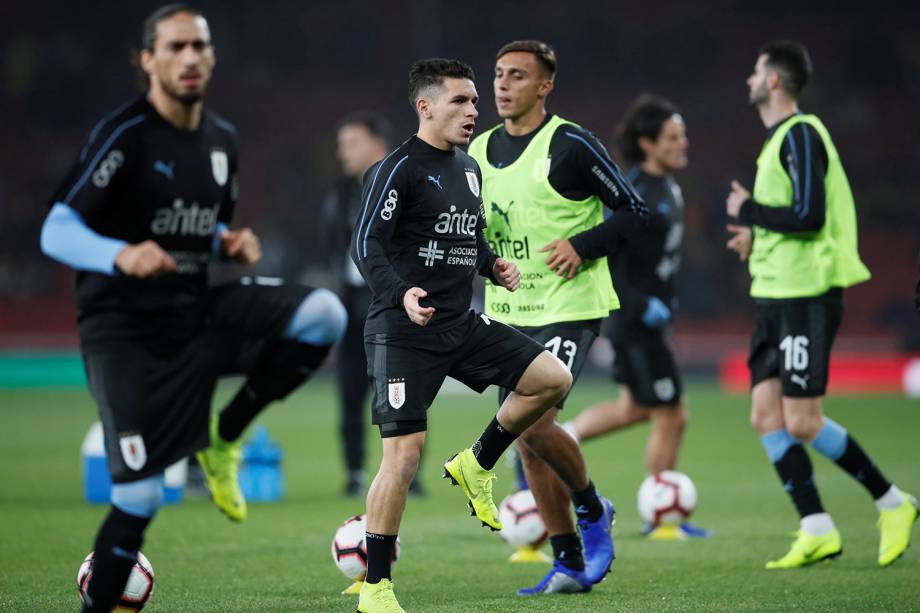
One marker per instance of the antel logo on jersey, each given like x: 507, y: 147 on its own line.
x: 107, y: 168
x: 184, y: 220
x: 389, y: 205
x: 454, y: 222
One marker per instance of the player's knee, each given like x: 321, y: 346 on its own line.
x: 804, y: 427
x: 557, y: 382
x: 320, y: 319
x: 674, y: 418
x: 139, y: 498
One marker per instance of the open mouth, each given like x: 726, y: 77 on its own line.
x: 467, y: 128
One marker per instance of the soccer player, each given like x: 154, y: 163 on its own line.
x: 803, y: 255
x: 419, y: 242
x: 653, y: 138
x: 545, y: 184
x: 362, y: 142
x: 144, y: 209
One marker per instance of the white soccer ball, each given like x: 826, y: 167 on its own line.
x: 138, y: 589
x: 521, y: 523
x: 349, y: 549
x: 667, y: 498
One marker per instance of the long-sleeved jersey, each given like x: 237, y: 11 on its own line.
x: 140, y: 178
x: 804, y: 155
x: 421, y: 226
x: 647, y: 267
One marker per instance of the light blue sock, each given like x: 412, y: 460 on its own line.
x: 139, y: 498
x: 777, y: 443
x: 831, y: 441
x: 319, y: 320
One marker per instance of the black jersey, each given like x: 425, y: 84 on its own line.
x: 137, y: 178
x: 421, y: 226
x: 647, y: 267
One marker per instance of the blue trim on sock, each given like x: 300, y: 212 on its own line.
x: 139, y: 498
x: 320, y: 319
x: 777, y: 443
x: 831, y: 441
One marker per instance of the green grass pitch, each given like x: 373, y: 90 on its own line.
x: 279, y: 560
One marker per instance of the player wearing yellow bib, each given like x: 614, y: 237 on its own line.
x: 801, y: 255
x: 545, y: 182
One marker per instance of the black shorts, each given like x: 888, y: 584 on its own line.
x: 569, y: 341
x: 644, y: 362
x: 408, y: 370
x: 155, y: 401
x: 792, y: 340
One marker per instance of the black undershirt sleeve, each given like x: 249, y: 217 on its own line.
x: 805, y: 158
x: 597, y: 175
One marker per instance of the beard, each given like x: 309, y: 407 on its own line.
x: 758, y: 96
x: 186, y: 99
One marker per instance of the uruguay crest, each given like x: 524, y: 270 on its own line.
x: 133, y: 451
x: 397, y: 392
x: 473, y: 181
x: 220, y: 168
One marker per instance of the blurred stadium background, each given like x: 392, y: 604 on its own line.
x: 287, y: 71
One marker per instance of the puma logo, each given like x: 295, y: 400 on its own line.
x: 801, y: 380
x: 503, y: 214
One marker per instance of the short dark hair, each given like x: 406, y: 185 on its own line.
x: 432, y: 72
x: 376, y: 124
x: 149, y: 36
x: 791, y: 61
x: 545, y: 54
x: 644, y: 118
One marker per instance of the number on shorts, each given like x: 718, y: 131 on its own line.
x: 796, y: 350
x: 567, y: 346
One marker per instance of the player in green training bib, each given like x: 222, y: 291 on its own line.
x: 799, y: 237
x: 545, y: 184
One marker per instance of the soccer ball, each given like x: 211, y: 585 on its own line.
x: 521, y: 523
x: 138, y: 589
x: 667, y: 498
x: 349, y: 550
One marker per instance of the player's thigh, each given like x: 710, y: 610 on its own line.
x: 807, y: 328
x: 767, y: 406
x: 493, y: 353
x: 406, y: 377
x: 646, y: 365
x: 154, y: 407
x: 568, y: 341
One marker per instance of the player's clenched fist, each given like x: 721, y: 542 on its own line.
x: 241, y: 245
x: 144, y: 260
x: 507, y: 274
x: 417, y: 313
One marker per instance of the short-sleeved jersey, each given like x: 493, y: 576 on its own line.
x: 648, y: 267
x: 421, y: 226
x: 140, y: 178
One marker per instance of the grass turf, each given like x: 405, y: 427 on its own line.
x: 279, y: 559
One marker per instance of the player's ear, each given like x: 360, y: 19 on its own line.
x: 646, y: 144
x: 546, y: 87
x: 146, y: 62
x: 423, y: 108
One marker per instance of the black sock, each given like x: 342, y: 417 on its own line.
x: 492, y: 444
x: 797, y: 475
x: 587, y: 503
x: 278, y: 371
x: 567, y: 549
x: 380, y: 549
x: 856, y: 462
x: 117, y: 544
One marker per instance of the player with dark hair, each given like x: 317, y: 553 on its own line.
x: 362, y: 140
x: 801, y: 254
x: 144, y: 209
x: 546, y: 182
x: 418, y: 243
x: 652, y: 138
